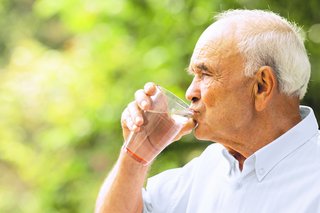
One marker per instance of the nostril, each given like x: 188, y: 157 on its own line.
x: 194, y: 99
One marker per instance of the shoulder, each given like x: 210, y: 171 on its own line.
x: 318, y: 148
x: 307, y: 158
x: 313, y: 150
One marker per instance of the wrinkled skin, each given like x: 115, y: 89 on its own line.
x: 220, y: 93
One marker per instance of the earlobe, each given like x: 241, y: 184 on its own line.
x: 264, y: 88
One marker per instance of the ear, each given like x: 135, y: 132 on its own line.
x: 264, y: 87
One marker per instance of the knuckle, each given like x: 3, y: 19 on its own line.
x: 124, y: 119
x: 127, y: 122
x: 138, y: 93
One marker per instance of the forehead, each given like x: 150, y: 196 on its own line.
x: 218, y: 41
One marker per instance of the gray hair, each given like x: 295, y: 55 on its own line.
x: 266, y: 39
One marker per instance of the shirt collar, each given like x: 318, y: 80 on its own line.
x: 267, y: 157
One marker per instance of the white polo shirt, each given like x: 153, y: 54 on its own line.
x: 283, y: 176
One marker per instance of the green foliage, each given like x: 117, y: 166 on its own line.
x: 68, y: 69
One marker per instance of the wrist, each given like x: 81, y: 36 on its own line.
x: 130, y: 158
x: 126, y: 151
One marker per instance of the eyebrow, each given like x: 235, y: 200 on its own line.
x: 200, y: 66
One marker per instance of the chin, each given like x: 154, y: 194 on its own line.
x: 202, y: 133
x: 199, y: 134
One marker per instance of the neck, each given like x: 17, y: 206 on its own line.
x: 265, y: 128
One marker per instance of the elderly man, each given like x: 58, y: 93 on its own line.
x: 250, y: 71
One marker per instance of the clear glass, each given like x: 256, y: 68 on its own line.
x: 162, y: 123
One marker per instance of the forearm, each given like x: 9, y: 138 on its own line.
x: 121, y: 191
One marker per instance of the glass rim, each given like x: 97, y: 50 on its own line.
x: 184, y: 111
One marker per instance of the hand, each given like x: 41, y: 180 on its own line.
x: 152, y: 126
x: 132, y: 116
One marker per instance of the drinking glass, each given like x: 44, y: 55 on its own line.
x: 162, y: 123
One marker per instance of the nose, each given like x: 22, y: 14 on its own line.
x: 193, y: 93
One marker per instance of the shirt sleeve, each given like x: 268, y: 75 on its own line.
x: 168, y: 191
x: 147, y: 206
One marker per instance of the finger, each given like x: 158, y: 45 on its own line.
x: 124, y: 116
x: 150, y: 88
x: 135, y: 114
x: 143, y: 100
x: 131, y: 125
x: 126, y: 121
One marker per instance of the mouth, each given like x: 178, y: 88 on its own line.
x: 194, y: 111
x: 194, y: 117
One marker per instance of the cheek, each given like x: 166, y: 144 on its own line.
x: 209, y: 94
x: 227, y: 108
x: 236, y: 113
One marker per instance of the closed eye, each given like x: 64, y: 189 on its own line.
x: 206, y: 74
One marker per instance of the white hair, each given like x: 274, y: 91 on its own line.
x: 265, y: 38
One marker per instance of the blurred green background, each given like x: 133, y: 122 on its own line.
x: 69, y: 67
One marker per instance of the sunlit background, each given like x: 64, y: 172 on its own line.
x: 69, y: 67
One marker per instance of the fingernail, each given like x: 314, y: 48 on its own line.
x: 149, y: 86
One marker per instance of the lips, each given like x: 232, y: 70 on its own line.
x: 194, y: 110
x: 195, y: 115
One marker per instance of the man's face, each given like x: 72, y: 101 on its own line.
x: 220, y: 93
